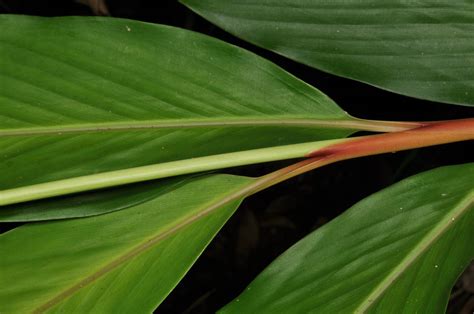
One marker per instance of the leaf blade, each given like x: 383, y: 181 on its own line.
x: 423, y: 50
x: 133, y: 98
x: 367, y: 259
x: 62, y: 262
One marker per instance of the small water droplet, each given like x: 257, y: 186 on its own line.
x: 436, y: 266
x: 443, y: 194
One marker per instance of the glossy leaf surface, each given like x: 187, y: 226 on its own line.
x: 398, y: 251
x: 423, y: 49
x: 126, y: 261
x: 82, y: 95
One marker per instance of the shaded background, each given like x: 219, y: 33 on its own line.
x: 270, y: 222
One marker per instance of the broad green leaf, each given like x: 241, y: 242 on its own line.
x: 423, y: 49
x: 123, y: 262
x: 82, y: 95
x: 398, y: 251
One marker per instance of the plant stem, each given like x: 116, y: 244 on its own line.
x: 158, y: 171
x: 431, y: 134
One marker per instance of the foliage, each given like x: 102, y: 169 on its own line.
x: 97, y: 113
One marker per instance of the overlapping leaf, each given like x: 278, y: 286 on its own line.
x: 398, y: 251
x: 422, y: 49
x: 126, y: 261
x: 85, y: 95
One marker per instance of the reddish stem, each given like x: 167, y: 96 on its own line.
x: 435, y: 133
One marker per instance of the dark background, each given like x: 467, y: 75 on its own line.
x: 268, y: 223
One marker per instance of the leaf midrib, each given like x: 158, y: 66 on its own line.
x: 450, y: 219
x: 101, y: 127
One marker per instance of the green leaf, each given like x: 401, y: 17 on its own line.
x: 384, y: 255
x: 123, y: 262
x: 423, y: 49
x: 83, y: 95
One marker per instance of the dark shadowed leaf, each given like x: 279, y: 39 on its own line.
x: 89, y: 203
